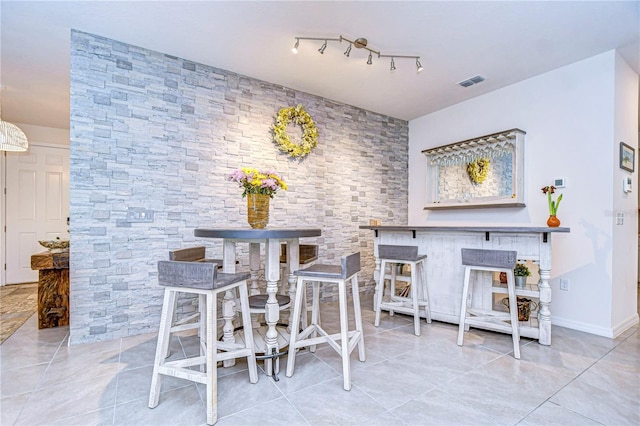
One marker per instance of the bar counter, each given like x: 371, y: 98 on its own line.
x: 445, y: 273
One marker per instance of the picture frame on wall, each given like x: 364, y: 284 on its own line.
x: 627, y: 157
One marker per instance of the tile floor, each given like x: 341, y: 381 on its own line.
x: 581, y: 379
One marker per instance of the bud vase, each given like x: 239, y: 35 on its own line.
x: 553, y: 221
x: 258, y: 210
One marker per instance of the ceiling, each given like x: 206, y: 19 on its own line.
x: 505, y: 42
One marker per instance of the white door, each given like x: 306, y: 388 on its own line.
x: 37, y: 206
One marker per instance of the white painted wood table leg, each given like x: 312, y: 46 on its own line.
x: 293, y: 264
x: 544, y: 315
x: 254, y: 270
x: 272, y: 314
x: 228, y: 302
x: 254, y: 266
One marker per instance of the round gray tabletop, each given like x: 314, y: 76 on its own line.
x: 250, y: 234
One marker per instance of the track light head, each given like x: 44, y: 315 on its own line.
x: 393, y: 65
x: 369, y: 62
x: 348, y: 51
x: 419, y: 65
x: 294, y: 49
x: 324, y: 46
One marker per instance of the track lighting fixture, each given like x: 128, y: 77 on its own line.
x: 359, y: 43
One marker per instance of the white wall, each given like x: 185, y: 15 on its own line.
x: 625, y: 308
x: 568, y: 115
x: 40, y: 135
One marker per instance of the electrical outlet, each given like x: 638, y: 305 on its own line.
x: 139, y: 215
x: 564, y: 284
x: 620, y: 218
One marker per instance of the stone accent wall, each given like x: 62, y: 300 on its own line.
x: 155, y: 133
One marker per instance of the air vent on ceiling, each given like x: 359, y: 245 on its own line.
x: 471, y: 81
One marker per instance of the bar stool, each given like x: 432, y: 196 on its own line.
x: 203, y: 279
x: 347, y: 271
x: 418, y: 295
x: 493, y: 261
x: 188, y: 322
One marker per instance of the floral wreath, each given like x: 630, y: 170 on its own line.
x: 478, y: 170
x: 302, y: 118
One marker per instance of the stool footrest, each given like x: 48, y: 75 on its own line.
x: 401, y: 307
x: 352, y: 336
x: 404, y: 300
x: 403, y: 278
x: 187, y: 320
x: 488, y: 313
x: 185, y: 327
x: 222, y: 356
x: 183, y: 373
x: 491, y: 325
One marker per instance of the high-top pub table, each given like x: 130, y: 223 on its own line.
x: 271, y: 238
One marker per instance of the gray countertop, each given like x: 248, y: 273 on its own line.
x: 511, y: 229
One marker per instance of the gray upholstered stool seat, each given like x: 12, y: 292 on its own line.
x: 489, y: 261
x: 411, y: 302
x: 314, y: 334
x: 203, y: 279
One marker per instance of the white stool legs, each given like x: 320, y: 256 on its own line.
x: 314, y: 334
x: 490, y: 261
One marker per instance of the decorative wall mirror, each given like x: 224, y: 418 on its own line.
x: 487, y: 171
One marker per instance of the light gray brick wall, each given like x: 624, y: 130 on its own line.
x: 156, y: 132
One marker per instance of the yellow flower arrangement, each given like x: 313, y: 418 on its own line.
x: 254, y: 181
x: 478, y: 170
x: 302, y: 118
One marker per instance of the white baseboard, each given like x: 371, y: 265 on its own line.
x: 611, y: 333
